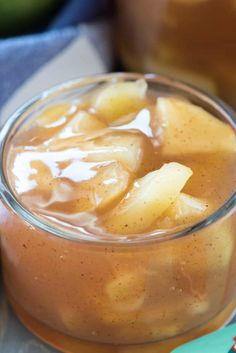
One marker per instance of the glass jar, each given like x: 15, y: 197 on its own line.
x: 81, y: 293
x: 189, y: 40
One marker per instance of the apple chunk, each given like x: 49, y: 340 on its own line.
x: 81, y: 123
x: 149, y: 197
x: 132, y: 149
x: 186, y: 209
x: 185, y: 128
x: 108, y: 185
x: 118, y: 99
x: 56, y: 115
x: 127, y: 291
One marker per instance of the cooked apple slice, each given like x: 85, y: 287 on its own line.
x: 46, y: 188
x: 42, y: 177
x: 205, y: 270
x: 62, y: 142
x: 149, y: 197
x: 185, y: 209
x: 185, y: 128
x: 55, y: 115
x: 46, y: 125
x: 109, y: 184
x: 132, y: 149
x: 69, y: 317
x: 127, y: 291
x: 81, y: 123
x: 118, y: 99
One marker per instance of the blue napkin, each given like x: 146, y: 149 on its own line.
x: 76, y: 11
x: 21, y: 57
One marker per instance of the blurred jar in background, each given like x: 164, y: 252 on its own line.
x: 191, y: 40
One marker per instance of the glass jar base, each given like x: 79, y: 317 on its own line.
x: 68, y: 344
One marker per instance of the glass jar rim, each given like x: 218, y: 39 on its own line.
x: 155, y: 236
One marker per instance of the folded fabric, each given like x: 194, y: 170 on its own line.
x: 30, y: 64
x: 65, y: 49
x: 76, y: 11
